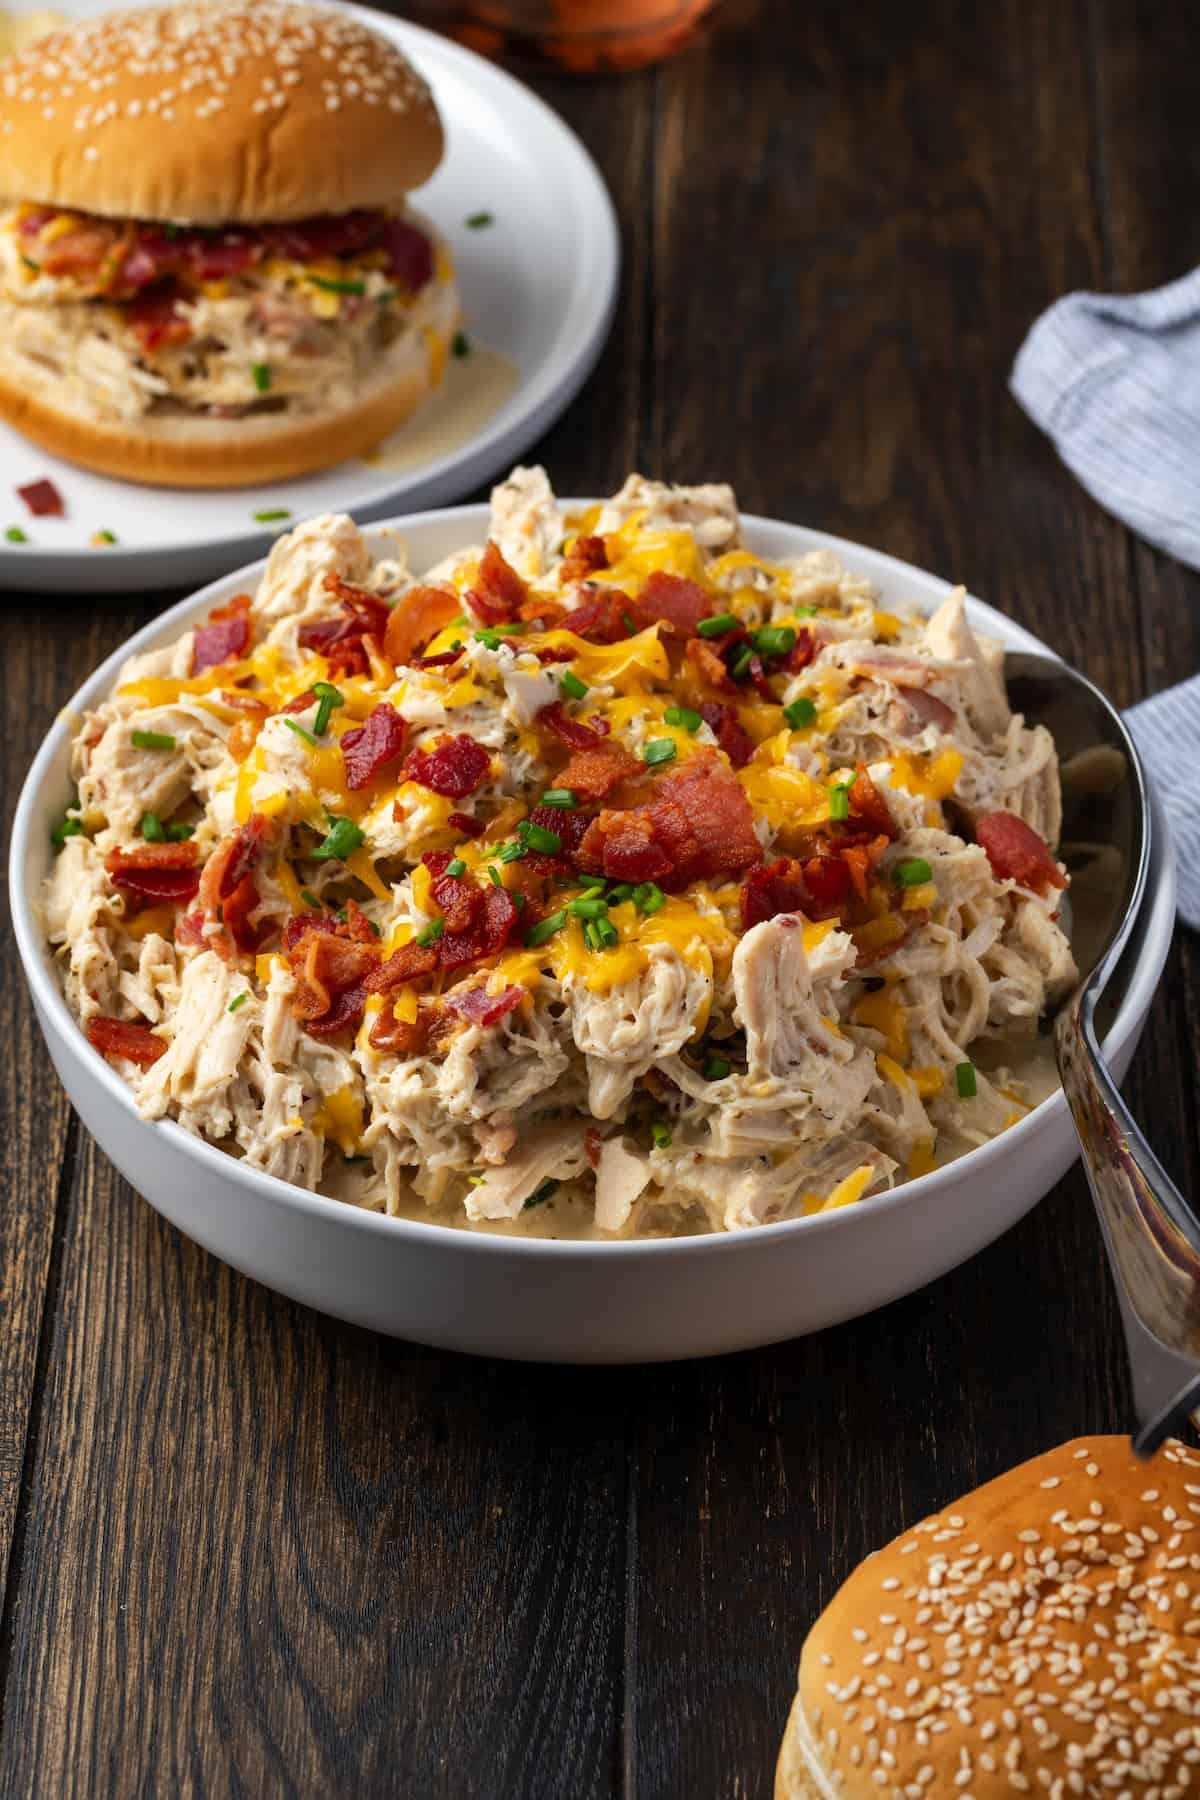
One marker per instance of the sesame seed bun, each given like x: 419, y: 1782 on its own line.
x: 1041, y: 1636
x: 181, y: 451
x: 215, y: 112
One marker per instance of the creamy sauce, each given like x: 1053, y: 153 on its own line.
x: 473, y: 389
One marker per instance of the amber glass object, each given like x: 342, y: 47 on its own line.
x: 586, y: 37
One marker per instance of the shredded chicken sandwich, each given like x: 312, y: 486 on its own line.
x: 606, y: 880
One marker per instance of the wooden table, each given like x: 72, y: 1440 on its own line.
x: 250, y: 1551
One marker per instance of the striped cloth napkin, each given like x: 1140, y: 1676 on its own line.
x: 1115, y: 383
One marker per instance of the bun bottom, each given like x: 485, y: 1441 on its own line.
x: 178, y: 451
x: 798, y: 1774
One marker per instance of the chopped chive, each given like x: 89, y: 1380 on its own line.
x: 431, y: 933
x: 461, y: 345
x: 964, y: 1080
x: 68, y: 828
x: 839, y: 801
x: 545, y: 928
x: 716, y: 1068
x: 622, y: 891
x: 562, y: 797
x: 310, y: 899
x: 649, y: 898
x: 628, y: 623
x: 329, y: 698
x: 571, y: 686
x: 179, y: 834
x: 332, y: 286
x: 538, y: 838
x: 805, y: 612
x: 240, y: 1001
x: 262, y: 376
x: 301, y: 731
x: 151, y: 740
x: 494, y: 876
x: 355, y: 1159
x: 593, y: 888
x: 15, y: 535
x: 511, y: 852
x: 659, y: 750
x: 683, y: 717
x: 799, y: 713
x: 456, y: 868
x: 386, y: 295
x: 661, y: 1135
x: 740, y: 666
x: 606, y: 932
x: 584, y: 908
x: 913, y: 872
x: 479, y: 221
x: 518, y: 901
x: 774, y: 640
x: 489, y: 638
x: 717, y: 625
x: 541, y: 1193
x: 151, y: 828
x: 271, y: 513
x: 104, y: 537
x: 343, y: 840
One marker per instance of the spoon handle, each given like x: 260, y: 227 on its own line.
x: 1151, y: 1234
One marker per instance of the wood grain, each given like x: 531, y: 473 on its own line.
x: 258, y: 1552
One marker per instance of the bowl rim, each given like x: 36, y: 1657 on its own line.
x: 1156, y: 922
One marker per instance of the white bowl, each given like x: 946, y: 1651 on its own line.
x: 573, y: 1302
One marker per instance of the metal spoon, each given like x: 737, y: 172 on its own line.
x: 1151, y: 1234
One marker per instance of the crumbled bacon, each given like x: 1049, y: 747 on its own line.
x: 499, y: 593
x: 410, y: 254
x: 593, y: 774
x: 411, y: 962
x: 1017, y: 853
x: 341, y: 639
x: 571, y: 732
x: 372, y: 745
x: 802, y: 651
x: 587, y: 554
x: 121, y: 1037
x: 466, y: 824
x: 604, y: 616
x: 416, y: 619
x: 485, y: 936
x: 554, y: 653
x: 225, y: 637
x: 708, y: 665
x: 444, y: 660
x: 454, y: 768
x: 593, y: 1143
x: 868, y: 806
x: 678, y: 604
x: 926, y: 708
x: 478, y: 1007
x: 460, y: 899
x: 155, y: 871
x: 406, y: 1037
x: 696, y: 824
x: 43, y: 499
x: 828, y: 881
x: 301, y: 702
x: 155, y: 317
x: 227, y: 888
x: 330, y: 959
x: 731, y: 735
x: 772, y: 888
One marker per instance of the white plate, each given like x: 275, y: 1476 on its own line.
x: 563, y: 1302
x: 538, y: 285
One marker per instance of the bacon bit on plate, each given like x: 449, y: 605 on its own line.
x: 155, y: 871
x: 466, y: 824
x: 460, y: 900
x: 926, y: 708
x: 411, y: 962
x: 330, y: 959
x: 708, y: 665
x: 802, y: 651
x: 415, y: 621
x: 1017, y: 853
x: 734, y: 740
x: 444, y: 660
x: 121, y: 1037
x: 604, y: 617
x: 773, y: 888
x: 225, y: 637
x: 340, y: 640
x: 593, y: 1143
x: 155, y: 318
x: 372, y: 745
x: 43, y: 499
x: 454, y: 768
x: 696, y: 825
x: 593, y: 774
x: 478, y: 1007
x: 485, y: 936
x: 406, y: 1037
x: 227, y: 889
x: 677, y: 603
x: 499, y: 592
x: 586, y: 555
x: 554, y: 653
x: 868, y: 805
x: 571, y: 732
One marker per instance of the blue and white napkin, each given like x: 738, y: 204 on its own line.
x: 1115, y: 383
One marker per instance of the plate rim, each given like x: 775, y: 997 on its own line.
x: 51, y: 1005
x: 545, y: 397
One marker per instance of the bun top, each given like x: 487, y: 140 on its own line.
x: 214, y: 112
x: 1041, y: 1636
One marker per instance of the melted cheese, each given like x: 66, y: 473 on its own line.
x: 932, y: 777
x: 153, y: 918
x: 881, y: 1013
x: 340, y: 1117
x: 851, y: 1188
